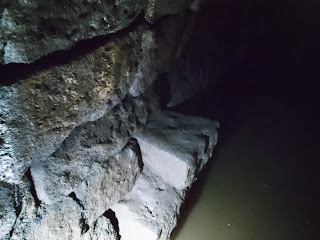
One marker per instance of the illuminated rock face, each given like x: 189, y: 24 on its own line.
x: 81, y: 131
x: 32, y: 29
x: 174, y: 149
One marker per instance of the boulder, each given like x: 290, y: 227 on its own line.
x: 30, y: 30
x: 93, y: 148
x: 174, y: 149
x: 38, y: 113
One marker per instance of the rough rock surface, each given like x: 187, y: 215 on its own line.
x: 7, y: 209
x: 32, y: 29
x: 38, y: 113
x: 73, y: 215
x: 84, y: 152
x: 174, y: 148
x: 91, y: 144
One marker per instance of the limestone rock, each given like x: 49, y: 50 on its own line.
x: 66, y: 121
x: 174, y: 148
x: 38, y: 113
x: 102, y: 229
x: 89, y: 147
x: 7, y: 209
x: 150, y: 210
x: 59, y: 221
x: 31, y: 29
x: 65, y: 219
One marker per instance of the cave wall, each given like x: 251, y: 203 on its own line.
x: 87, y: 150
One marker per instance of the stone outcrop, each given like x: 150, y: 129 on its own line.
x: 86, y: 148
x: 174, y: 149
x: 38, y: 113
x: 32, y: 29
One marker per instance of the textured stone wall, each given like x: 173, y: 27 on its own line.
x: 84, y: 142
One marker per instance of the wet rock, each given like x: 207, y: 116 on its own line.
x: 174, y: 149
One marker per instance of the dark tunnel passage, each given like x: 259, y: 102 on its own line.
x: 263, y: 180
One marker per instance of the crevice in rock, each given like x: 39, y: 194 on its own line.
x: 12, y: 229
x: 17, y: 206
x: 15, y: 72
x: 17, y: 200
x: 77, y: 200
x: 207, y: 142
x: 113, y: 220
x: 83, y: 224
x: 32, y: 188
x: 136, y: 147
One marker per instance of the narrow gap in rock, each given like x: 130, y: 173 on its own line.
x: 207, y: 142
x: 32, y: 188
x: 113, y: 220
x: 83, y: 224
x: 14, y: 72
x: 77, y: 200
x: 134, y: 143
x: 11, y: 231
x: 17, y: 200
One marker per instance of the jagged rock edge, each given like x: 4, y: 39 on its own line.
x: 15, y: 72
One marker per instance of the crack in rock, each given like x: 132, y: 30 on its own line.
x: 113, y: 220
x: 33, y: 188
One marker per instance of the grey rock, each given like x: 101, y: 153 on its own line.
x: 156, y: 9
x: 32, y: 29
x: 150, y: 210
x: 174, y: 149
x: 101, y: 229
x: 7, y: 210
x: 38, y: 113
x: 90, y: 145
x: 59, y: 221
x: 71, y: 123
x: 101, y: 184
x: 80, y: 215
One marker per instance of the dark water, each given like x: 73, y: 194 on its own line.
x: 263, y: 182
x: 264, y: 178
